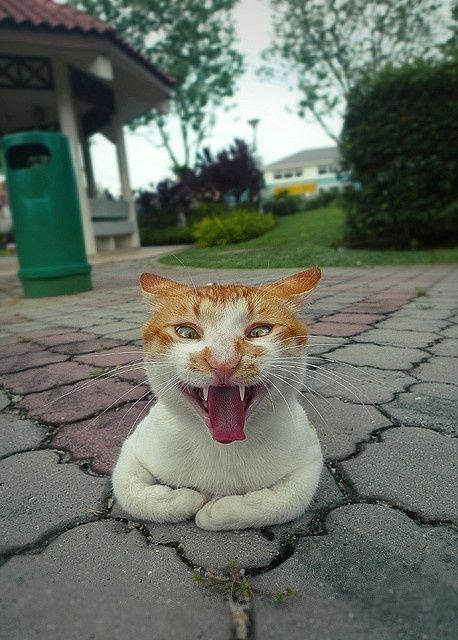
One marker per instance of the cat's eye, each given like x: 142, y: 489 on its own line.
x: 187, y: 332
x: 260, y: 331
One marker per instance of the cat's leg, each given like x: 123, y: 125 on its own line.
x: 285, y: 500
x: 136, y: 492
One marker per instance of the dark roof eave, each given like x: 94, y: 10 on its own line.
x: 109, y: 35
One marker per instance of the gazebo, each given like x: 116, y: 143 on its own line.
x: 63, y: 70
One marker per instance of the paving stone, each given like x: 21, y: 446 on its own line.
x: 113, y: 327
x: 418, y: 339
x: 425, y: 311
x: 87, y: 346
x: 376, y: 575
x: 340, y: 425
x: 64, y: 338
x: 29, y: 361
x: 436, y: 390
x: 40, y: 495
x: 360, y: 385
x: 126, y: 334
x: 412, y: 324
x: 18, y: 349
x: 53, y: 375
x: 338, y: 329
x: 17, y: 434
x: 355, y: 318
x: 449, y: 347
x: 99, y: 581
x: 99, y: 440
x: 426, y: 409
x: 450, y: 332
x: 379, y: 307
x: 215, y: 549
x: 113, y: 357
x: 4, y: 400
x: 44, y: 333
x: 412, y: 468
x: 381, y: 357
x: 79, y: 401
x: 438, y: 369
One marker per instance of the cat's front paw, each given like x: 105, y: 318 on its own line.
x: 222, y: 513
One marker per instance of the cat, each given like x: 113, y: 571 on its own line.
x: 227, y: 441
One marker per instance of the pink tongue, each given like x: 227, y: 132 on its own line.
x: 227, y: 414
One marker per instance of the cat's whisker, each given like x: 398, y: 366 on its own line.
x: 116, y: 401
x: 135, y: 403
x: 335, y: 380
x: 301, y: 379
x: 147, y: 406
x: 97, y: 379
x: 281, y: 394
x: 288, y: 382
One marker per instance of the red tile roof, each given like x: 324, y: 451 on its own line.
x: 46, y: 15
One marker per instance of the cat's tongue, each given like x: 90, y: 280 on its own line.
x: 227, y: 414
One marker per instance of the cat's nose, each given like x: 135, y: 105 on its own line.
x: 223, y: 368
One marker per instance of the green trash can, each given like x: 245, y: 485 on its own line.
x: 46, y: 214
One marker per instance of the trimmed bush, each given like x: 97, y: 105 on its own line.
x: 170, y: 235
x: 399, y: 145
x: 283, y: 204
x: 235, y: 226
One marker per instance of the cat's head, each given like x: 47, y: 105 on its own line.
x: 219, y: 349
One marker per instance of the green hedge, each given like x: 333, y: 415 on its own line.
x: 170, y: 235
x: 399, y: 144
x: 236, y: 226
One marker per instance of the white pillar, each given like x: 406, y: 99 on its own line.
x: 134, y: 239
x: 69, y: 126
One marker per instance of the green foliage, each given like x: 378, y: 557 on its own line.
x: 169, y: 235
x: 399, y: 144
x: 235, y: 226
x: 192, y: 41
x: 283, y: 204
x: 331, y: 44
x: 201, y: 210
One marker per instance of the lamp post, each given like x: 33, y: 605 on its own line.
x: 253, y: 124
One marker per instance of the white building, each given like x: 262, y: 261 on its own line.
x: 304, y: 173
x: 63, y: 70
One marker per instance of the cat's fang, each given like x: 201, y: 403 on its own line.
x: 205, y: 394
x: 242, y: 392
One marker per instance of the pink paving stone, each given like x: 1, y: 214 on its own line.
x: 337, y: 329
x: 374, y: 307
x: 88, y: 346
x: 18, y: 349
x: 78, y: 401
x: 133, y: 375
x: 13, y: 319
x: 42, y: 333
x: 53, y: 375
x: 355, y: 318
x: 9, y: 340
x: 100, y: 440
x: 113, y: 357
x: 28, y: 361
x: 65, y: 338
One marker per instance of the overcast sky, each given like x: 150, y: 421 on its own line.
x: 279, y: 132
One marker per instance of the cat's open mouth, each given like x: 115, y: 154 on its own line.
x: 225, y: 408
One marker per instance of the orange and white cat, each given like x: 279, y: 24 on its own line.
x: 227, y: 441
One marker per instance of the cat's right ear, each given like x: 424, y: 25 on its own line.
x: 156, y: 287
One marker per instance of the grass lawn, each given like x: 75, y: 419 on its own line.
x: 313, y: 237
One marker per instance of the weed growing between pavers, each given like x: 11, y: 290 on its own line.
x: 238, y: 587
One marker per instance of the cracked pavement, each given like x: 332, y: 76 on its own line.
x: 373, y: 557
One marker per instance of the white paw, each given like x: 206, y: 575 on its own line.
x: 223, y: 513
x: 159, y: 503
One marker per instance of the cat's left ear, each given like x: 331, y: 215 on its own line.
x: 294, y: 288
x: 156, y: 287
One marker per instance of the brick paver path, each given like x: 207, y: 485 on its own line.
x: 372, y: 557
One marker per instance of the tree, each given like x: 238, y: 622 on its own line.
x: 231, y: 176
x: 332, y: 44
x: 191, y: 40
